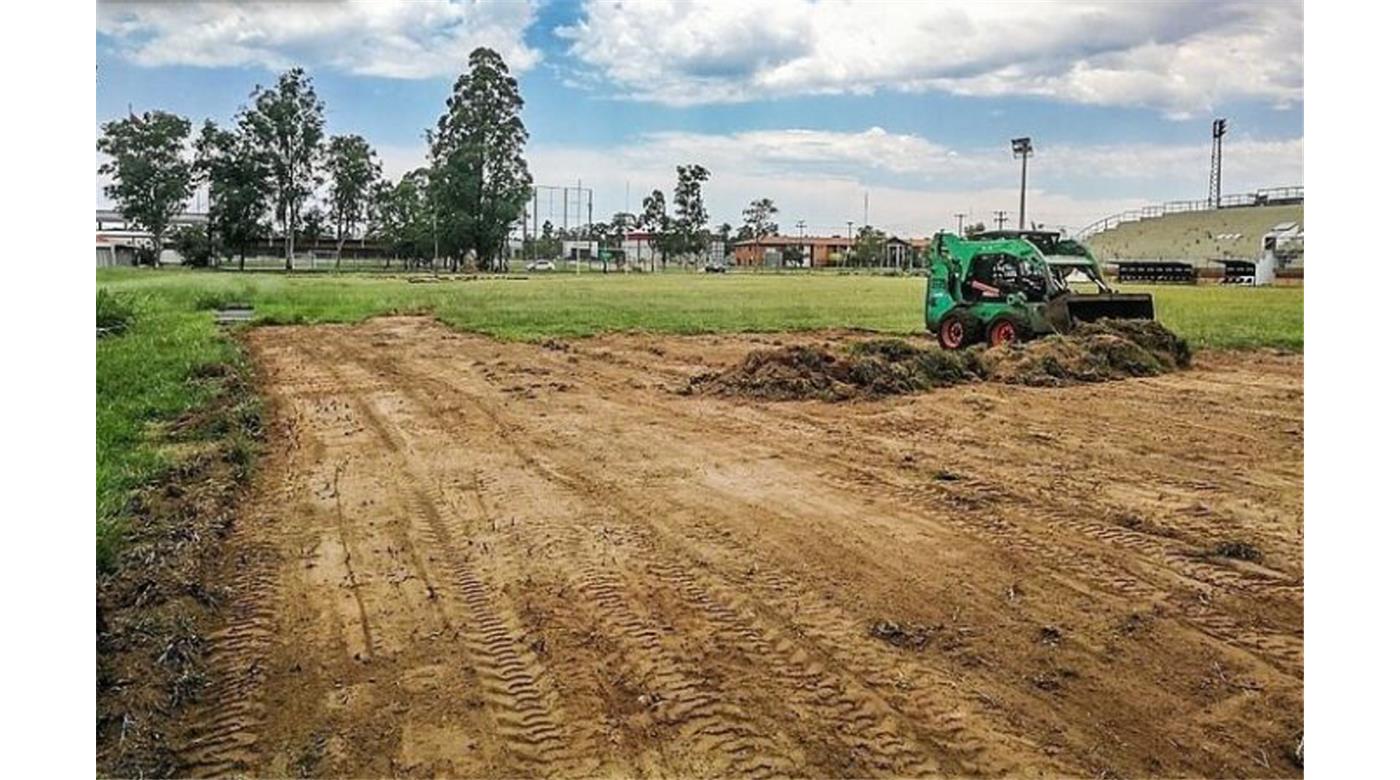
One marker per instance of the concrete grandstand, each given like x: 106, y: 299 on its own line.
x: 1195, y: 234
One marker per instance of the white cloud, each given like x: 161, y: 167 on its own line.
x: 364, y: 37
x: 1181, y: 58
x: 915, y: 185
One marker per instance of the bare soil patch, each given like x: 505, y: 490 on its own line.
x: 476, y: 558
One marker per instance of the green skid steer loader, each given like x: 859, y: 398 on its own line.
x: 1015, y: 285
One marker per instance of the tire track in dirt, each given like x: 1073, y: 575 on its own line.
x: 709, y: 614
x: 223, y: 735
x: 1068, y: 515
x: 1281, y: 651
x: 704, y: 718
x: 882, y: 744
x: 1284, y: 652
x: 1155, y: 552
x: 525, y: 715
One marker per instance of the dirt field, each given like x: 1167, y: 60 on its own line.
x: 477, y: 558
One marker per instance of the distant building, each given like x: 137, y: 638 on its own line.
x: 811, y: 251
x: 120, y: 247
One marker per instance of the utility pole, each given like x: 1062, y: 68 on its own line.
x: 1001, y: 218
x: 867, y: 207
x: 802, y: 237
x: 960, y: 216
x: 1021, y: 147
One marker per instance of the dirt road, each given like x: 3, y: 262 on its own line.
x: 474, y: 558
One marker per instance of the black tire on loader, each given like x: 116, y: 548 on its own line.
x: 957, y: 330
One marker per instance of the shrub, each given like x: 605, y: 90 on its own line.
x: 193, y: 244
x: 114, y: 313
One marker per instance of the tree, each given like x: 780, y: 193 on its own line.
x: 193, y: 244
x: 238, y: 179
x: 658, y: 223
x: 550, y: 244
x: 758, y: 218
x: 689, y: 229
x: 793, y: 255
x: 353, y: 170
x: 151, y: 177
x: 974, y: 230
x: 725, y: 234
x: 481, y: 181
x: 286, y: 124
x: 622, y: 223
x: 313, y: 225
x: 869, y: 248
x: 403, y: 217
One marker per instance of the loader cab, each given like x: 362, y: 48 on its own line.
x: 996, y: 275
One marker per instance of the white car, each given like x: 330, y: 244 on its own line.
x: 540, y: 265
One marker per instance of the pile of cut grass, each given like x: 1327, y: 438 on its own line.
x: 883, y: 367
x: 868, y: 369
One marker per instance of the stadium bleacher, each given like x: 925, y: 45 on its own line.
x: 1196, y: 237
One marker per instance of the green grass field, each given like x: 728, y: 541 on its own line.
x: 566, y: 305
x: 144, y: 376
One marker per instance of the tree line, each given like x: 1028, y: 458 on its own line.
x: 265, y: 170
x: 273, y: 172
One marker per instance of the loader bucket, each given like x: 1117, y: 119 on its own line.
x: 1117, y: 306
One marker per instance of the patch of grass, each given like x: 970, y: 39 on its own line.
x: 114, y: 313
x: 150, y: 374
x: 1224, y: 317
x: 1240, y: 551
x: 554, y: 305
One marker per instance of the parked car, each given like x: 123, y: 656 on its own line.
x: 539, y: 265
x: 716, y: 267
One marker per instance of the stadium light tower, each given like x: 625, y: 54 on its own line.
x: 1021, y: 147
x: 1217, y: 139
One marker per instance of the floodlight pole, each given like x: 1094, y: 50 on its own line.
x: 1021, y: 219
x: 1217, y: 138
x: 1021, y: 147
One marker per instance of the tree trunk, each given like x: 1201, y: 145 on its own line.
x: 287, y: 238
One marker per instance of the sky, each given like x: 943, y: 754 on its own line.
x: 824, y: 106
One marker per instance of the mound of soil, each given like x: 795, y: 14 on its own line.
x: 869, y: 369
x: 1097, y: 352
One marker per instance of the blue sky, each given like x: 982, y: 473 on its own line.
x: 814, y: 104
